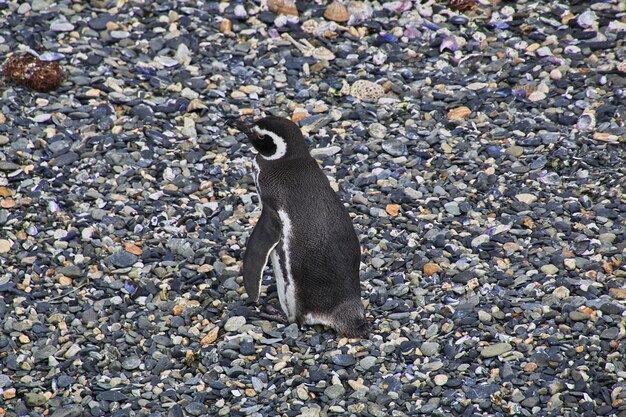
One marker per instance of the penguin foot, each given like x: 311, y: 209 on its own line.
x: 269, y: 312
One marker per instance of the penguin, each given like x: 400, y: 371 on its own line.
x: 304, y: 230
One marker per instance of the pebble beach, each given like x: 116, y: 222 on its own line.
x: 479, y: 146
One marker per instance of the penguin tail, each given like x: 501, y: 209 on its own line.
x: 349, y: 320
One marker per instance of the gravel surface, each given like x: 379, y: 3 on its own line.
x: 481, y: 153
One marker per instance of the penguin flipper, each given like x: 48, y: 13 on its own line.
x: 262, y: 241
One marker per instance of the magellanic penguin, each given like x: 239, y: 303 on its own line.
x: 306, y: 232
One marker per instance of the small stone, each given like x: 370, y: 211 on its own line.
x: 122, y: 259
x: 61, y: 25
x: 334, y: 391
x: 459, y: 114
x: 234, y: 323
x: 35, y: 399
x: 392, y: 209
x: 132, y: 248
x: 72, y: 410
x: 429, y: 348
x: 9, y: 393
x: 72, y: 351
x: 561, y: 292
x: 367, y: 362
x: 515, y: 151
x: 431, y: 269
x: 195, y: 408
x: 343, y: 360
x: 131, y: 363
x: 24, y: 8
x: 610, y: 334
x: 453, y: 208
x: 618, y: 293
x: 537, y: 96
x: 526, y: 198
x: 578, y: 316
x: 325, y: 152
x: 5, y: 381
x: 570, y: 263
x: 440, y: 379
x: 549, y: 269
x: 377, y: 131
x: 587, y: 19
x: 178, y: 309
x: 530, y: 367
x: 605, y: 137
x: 119, y: 34
x: 72, y: 271
x: 495, y: 350
x: 312, y: 411
x: 5, y: 245
x: 395, y: 147
x: 210, y: 337
x: 302, y: 393
x: 479, y: 240
x: 378, y: 262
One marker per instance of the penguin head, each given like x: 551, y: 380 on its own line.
x: 275, y: 138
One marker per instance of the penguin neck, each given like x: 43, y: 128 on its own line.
x: 289, y: 157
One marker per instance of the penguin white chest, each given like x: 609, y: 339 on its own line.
x: 281, y: 262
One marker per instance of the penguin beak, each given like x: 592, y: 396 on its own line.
x: 241, y: 126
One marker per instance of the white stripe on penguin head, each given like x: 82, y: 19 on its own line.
x: 281, y: 145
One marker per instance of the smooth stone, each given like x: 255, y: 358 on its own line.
x: 526, y: 198
x: 343, y: 360
x: 196, y: 408
x: 495, y: 350
x: 39, y: 5
x: 377, y: 131
x: 131, y: 363
x: 234, y: 323
x: 122, y: 259
x: 61, y: 26
x: 8, y: 166
x: 367, y: 362
x: 35, y: 399
x: 578, y: 316
x: 561, y: 292
x: 65, y: 159
x: 570, y: 263
x: 111, y: 396
x: 549, y: 269
x: 452, y: 208
x: 429, y: 348
x: 325, y: 152
x: 5, y: 381
x: 334, y: 391
x: 72, y: 410
x: 395, y: 147
x: 72, y: 271
x: 378, y: 262
x: 610, y: 333
x: 119, y: 34
x: 440, y: 379
x: 479, y: 240
x: 515, y: 151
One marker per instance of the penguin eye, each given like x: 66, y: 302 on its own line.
x: 262, y: 137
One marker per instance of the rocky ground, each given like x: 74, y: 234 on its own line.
x: 481, y: 153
